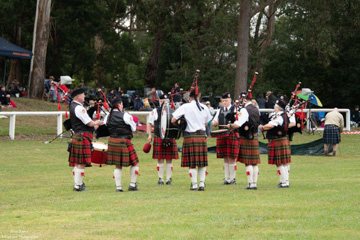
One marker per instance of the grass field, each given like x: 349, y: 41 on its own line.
x: 37, y: 200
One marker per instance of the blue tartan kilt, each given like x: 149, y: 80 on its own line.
x: 331, y: 134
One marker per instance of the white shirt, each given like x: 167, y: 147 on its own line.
x: 216, y: 118
x: 153, y: 117
x: 81, y: 113
x: 195, y: 118
x: 243, y: 117
x: 278, y: 121
x: 128, y: 119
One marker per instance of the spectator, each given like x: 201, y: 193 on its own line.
x: 5, y: 97
x: 262, y: 104
x: 110, y: 95
x: 355, y: 116
x: 153, y: 97
x: 14, y: 89
x: 138, y: 104
x: 334, y: 124
x: 174, y: 90
x: 51, y: 86
x: 270, y: 99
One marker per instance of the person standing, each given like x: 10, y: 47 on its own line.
x: 355, y: 116
x: 194, y: 152
x: 249, y: 153
x: 279, y: 151
x: 334, y: 124
x: 175, y: 92
x: 153, y: 97
x: 121, y: 151
x: 164, y: 149
x: 83, y: 127
x: 227, y: 147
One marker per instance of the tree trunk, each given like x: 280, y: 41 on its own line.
x: 15, y: 63
x: 242, y: 48
x: 41, y: 42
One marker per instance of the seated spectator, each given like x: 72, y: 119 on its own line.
x: 153, y: 97
x: 14, y: 89
x: 4, y: 96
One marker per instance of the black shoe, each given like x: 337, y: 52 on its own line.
x: 225, y: 183
x: 233, y: 182
x: 201, y: 189
x: 131, y: 188
x: 119, y: 190
x: 192, y: 188
x: 160, y: 182
x: 80, y: 189
x: 254, y: 188
x: 168, y: 182
x: 83, y: 185
x: 280, y: 185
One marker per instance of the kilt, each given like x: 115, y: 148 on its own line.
x: 159, y: 152
x: 194, y: 152
x: 331, y: 134
x: 279, y: 151
x: 121, y: 152
x: 249, y: 153
x: 228, y: 147
x: 80, y: 152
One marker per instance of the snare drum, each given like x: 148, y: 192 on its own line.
x: 167, y: 129
x: 220, y: 133
x: 99, y: 154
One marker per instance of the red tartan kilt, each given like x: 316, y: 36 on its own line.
x: 159, y: 152
x: 228, y: 147
x: 80, y: 152
x: 249, y: 153
x: 121, y: 152
x: 279, y: 151
x: 194, y: 152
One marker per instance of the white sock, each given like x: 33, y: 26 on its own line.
x: 202, y: 175
x: 227, y: 172
x: 255, y: 174
x: 117, y: 176
x: 281, y: 172
x: 133, y: 175
x: 232, y: 171
x: 193, y: 176
x: 79, y: 177
x: 160, y: 168
x: 287, y: 173
x: 169, y: 168
x: 74, y: 169
x: 249, y: 174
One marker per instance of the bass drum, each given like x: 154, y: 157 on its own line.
x: 167, y: 129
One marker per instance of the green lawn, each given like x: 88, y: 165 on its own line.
x: 37, y: 200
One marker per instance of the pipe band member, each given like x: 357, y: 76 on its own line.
x: 83, y: 127
x: 162, y: 149
x: 194, y: 152
x: 121, y: 151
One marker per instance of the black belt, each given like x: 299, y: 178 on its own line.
x: 198, y: 132
x: 121, y: 136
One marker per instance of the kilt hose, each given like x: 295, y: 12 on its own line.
x: 249, y: 153
x: 121, y: 152
x: 331, y: 134
x: 279, y: 151
x: 194, y: 152
x: 80, y: 152
x: 228, y: 147
x: 159, y: 152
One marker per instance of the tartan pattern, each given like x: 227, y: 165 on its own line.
x: 194, y: 152
x: 159, y: 152
x: 249, y: 153
x: 331, y: 134
x: 121, y: 152
x: 228, y: 147
x: 80, y: 152
x: 279, y: 151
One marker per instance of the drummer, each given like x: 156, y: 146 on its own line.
x: 194, y: 152
x: 83, y: 127
x: 162, y: 151
x: 227, y: 147
x: 121, y: 151
x: 249, y: 153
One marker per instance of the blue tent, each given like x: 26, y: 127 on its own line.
x: 8, y: 49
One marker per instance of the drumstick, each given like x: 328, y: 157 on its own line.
x: 223, y: 125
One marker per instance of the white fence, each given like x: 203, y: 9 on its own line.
x: 59, y: 115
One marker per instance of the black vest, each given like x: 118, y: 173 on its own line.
x: 278, y: 131
x: 117, y: 126
x: 157, y: 122
x: 249, y: 128
x: 77, y: 124
x: 226, y: 116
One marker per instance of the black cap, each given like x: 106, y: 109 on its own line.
x: 280, y: 104
x: 116, y: 101
x: 77, y: 91
x: 193, y: 93
x: 225, y: 95
x: 243, y: 95
x: 356, y: 106
x: 164, y: 96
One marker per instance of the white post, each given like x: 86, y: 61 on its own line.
x: 59, y: 124
x: 12, y: 126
